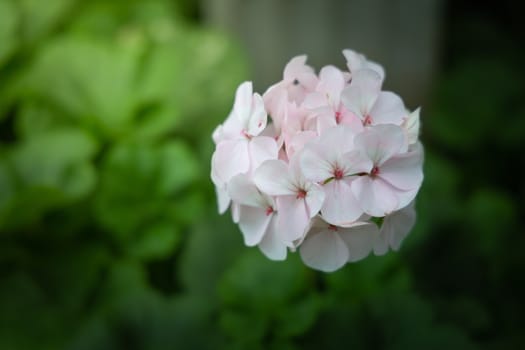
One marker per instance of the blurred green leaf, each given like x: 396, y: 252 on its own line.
x: 158, y: 241
x: 8, y: 29
x: 47, y: 170
x: 39, y: 17
x: 139, y: 181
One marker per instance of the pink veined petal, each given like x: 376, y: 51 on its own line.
x: 388, y: 109
x: 273, y: 178
x: 362, y: 93
x: 262, y: 148
x: 355, y: 162
x: 324, y: 251
x: 271, y: 244
x: 359, y: 240
x: 243, y: 102
x: 350, y: 120
x: 340, y: 205
x: 253, y: 223
x: 293, y: 218
x: 376, y: 197
x: 231, y: 157
x: 242, y: 190
x: 404, y: 171
x: 314, y: 199
x: 223, y: 199
x: 315, y: 166
x: 381, y: 142
x: 258, y: 117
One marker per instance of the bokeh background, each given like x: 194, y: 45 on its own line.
x: 109, y: 234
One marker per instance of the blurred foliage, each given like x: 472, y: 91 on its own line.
x: 109, y: 237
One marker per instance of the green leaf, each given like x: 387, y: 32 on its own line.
x: 44, y: 172
x: 140, y: 181
x: 158, y: 241
x: 8, y: 29
x: 93, y: 81
x: 39, y: 18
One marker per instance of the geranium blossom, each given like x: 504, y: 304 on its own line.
x: 317, y: 161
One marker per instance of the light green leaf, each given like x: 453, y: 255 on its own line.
x: 158, y: 241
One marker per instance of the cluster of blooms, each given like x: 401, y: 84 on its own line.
x: 326, y: 164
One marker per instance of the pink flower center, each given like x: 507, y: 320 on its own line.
x: 245, y: 134
x: 368, y: 120
x: 338, y: 174
x: 374, y: 171
x: 269, y: 211
x: 332, y: 227
x: 338, y: 117
x: 301, y: 194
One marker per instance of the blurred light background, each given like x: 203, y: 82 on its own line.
x: 109, y: 234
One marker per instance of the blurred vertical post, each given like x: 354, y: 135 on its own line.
x: 401, y: 35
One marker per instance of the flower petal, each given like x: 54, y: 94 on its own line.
x: 380, y: 142
x: 223, y: 199
x: 242, y: 190
x: 360, y: 96
x: 315, y: 166
x: 262, y: 148
x: 397, y: 225
x: 360, y: 240
x: 258, y: 117
x: 229, y: 159
x: 242, y: 105
x: 314, y: 199
x: 293, y: 218
x: 388, y: 109
x: 324, y: 251
x: 404, y: 171
x: 253, y: 223
x: 376, y: 197
x: 340, y: 205
x: 271, y: 244
x: 273, y: 178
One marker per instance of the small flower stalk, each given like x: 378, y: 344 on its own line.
x: 328, y: 164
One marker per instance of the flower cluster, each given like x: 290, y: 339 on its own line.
x: 328, y: 164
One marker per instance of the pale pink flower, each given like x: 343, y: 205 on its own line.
x: 333, y: 162
x: 396, y: 173
x: 356, y: 61
x: 239, y: 149
x: 298, y: 200
x: 364, y: 98
x: 298, y: 80
x: 325, y: 103
x: 328, y: 247
x: 257, y: 217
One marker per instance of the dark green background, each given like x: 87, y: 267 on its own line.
x: 109, y: 234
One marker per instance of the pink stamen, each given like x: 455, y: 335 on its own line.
x: 332, y: 227
x: 338, y: 174
x: 374, y: 171
x: 367, y: 121
x: 301, y: 194
x: 269, y: 211
x: 245, y: 134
